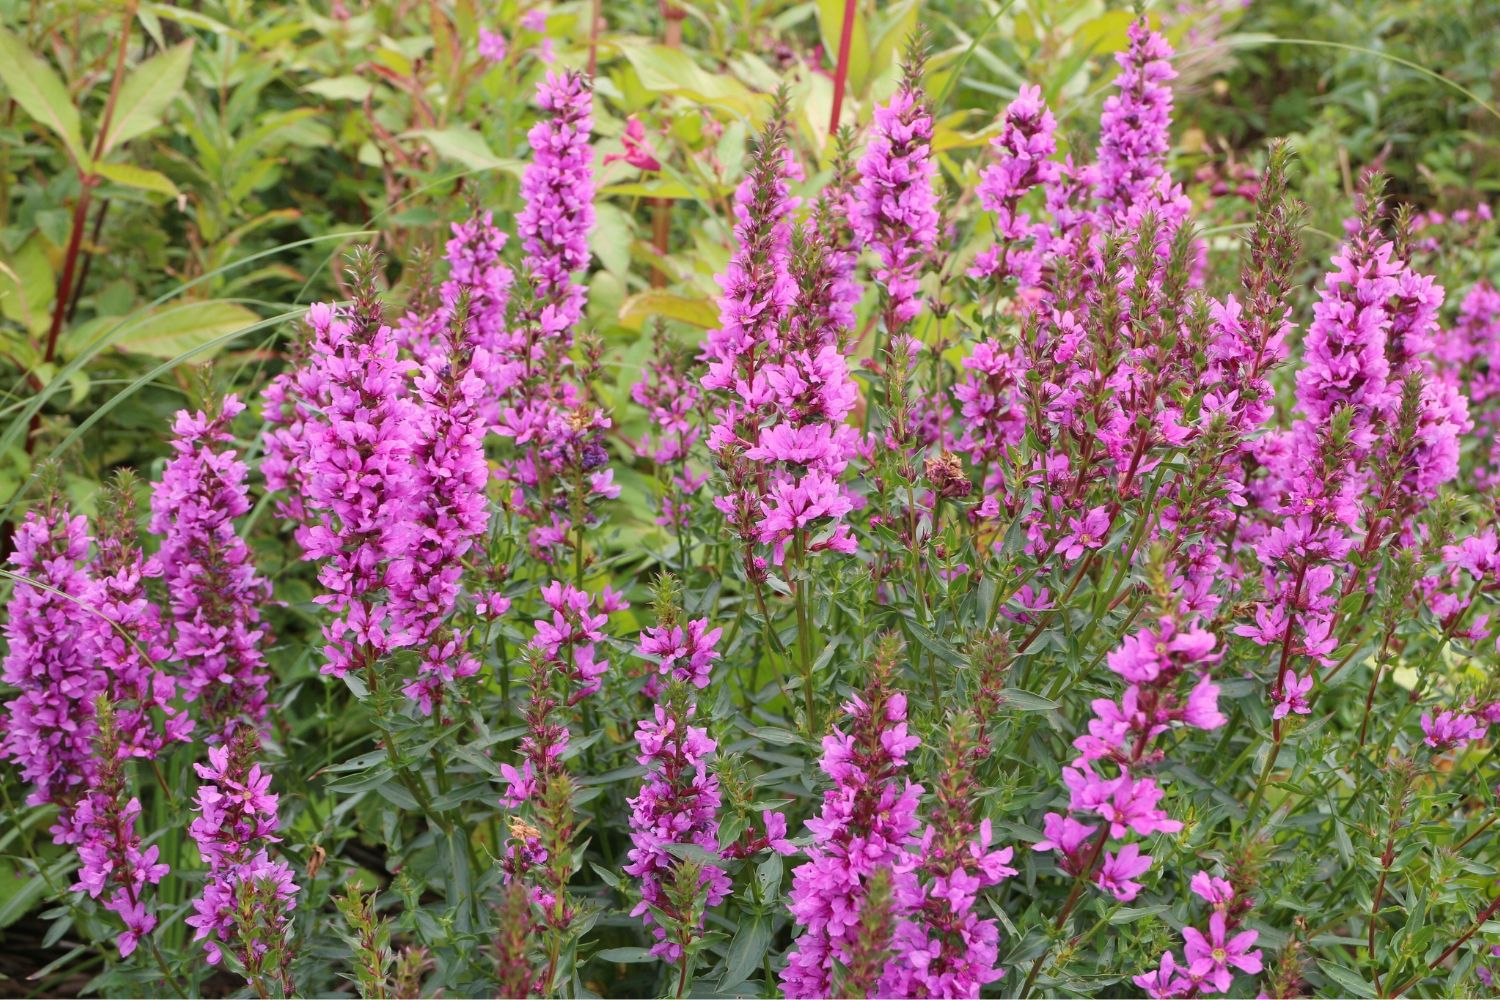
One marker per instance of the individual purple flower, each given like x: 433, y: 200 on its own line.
x: 1449, y: 729
x: 1216, y: 892
x: 214, y: 590
x: 1119, y: 869
x: 1211, y: 957
x: 1292, y: 696
x: 492, y: 46
x: 557, y: 191
x: 1088, y: 532
x: 1169, y: 979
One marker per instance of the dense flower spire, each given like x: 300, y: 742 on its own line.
x: 245, y: 903
x: 1134, y: 136
x: 449, y: 510
x: 359, y: 479
x: 557, y: 189
x: 894, y: 208
x: 867, y: 824
x: 214, y: 589
x: 52, y: 662
x: 678, y: 804
x: 114, y: 866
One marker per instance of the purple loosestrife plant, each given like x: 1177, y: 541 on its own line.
x: 214, y: 590
x: 894, y: 207
x: 868, y: 823
x: 52, y: 662
x: 245, y: 905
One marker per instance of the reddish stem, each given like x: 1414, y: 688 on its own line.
x: 841, y: 70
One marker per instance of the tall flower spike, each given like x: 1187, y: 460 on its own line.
x: 52, y: 662
x: 945, y: 948
x: 678, y: 804
x: 1134, y: 135
x: 867, y: 824
x: 895, y: 207
x: 214, y: 590
x: 133, y: 641
x: 449, y: 509
x: 359, y: 481
x: 245, y: 903
x: 558, y: 191
x: 113, y: 864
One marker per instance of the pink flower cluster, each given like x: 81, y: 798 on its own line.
x: 678, y: 804
x: 1209, y: 960
x: 214, y: 590
x: 246, y: 900
x: 868, y: 822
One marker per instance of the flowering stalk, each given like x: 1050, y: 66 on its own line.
x: 245, y: 903
x: 894, y: 208
x: 214, y: 590
x: 867, y: 824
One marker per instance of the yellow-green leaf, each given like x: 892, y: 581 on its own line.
x: 178, y: 329
x: 40, y: 93
x: 147, y: 92
x: 664, y: 70
x: 137, y: 177
x: 28, y: 285
x: 636, y: 310
x: 467, y: 147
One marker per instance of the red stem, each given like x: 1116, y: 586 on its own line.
x: 841, y: 71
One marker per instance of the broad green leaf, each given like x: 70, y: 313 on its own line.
x: 181, y: 328
x: 130, y: 175
x: 146, y: 94
x: 341, y: 88
x: 643, y: 306
x: 1349, y: 982
x: 746, y: 949
x: 1105, y: 33
x: 625, y: 956
x: 28, y: 285
x: 467, y: 147
x: 1025, y: 701
x: 671, y: 71
x: 41, y: 93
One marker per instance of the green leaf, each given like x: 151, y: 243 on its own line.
x: 1350, y: 984
x: 27, y: 285
x: 625, y: 956
x: 1025, y: 701
x: 175, y: 330
x: 467, y: 147
x: 341, y: 88
x: 147, y: 92
x: 750, y: 942
x: 671, y: 71
x: 40, y: 93
x: 643, y: 306
x: 129, y: 175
